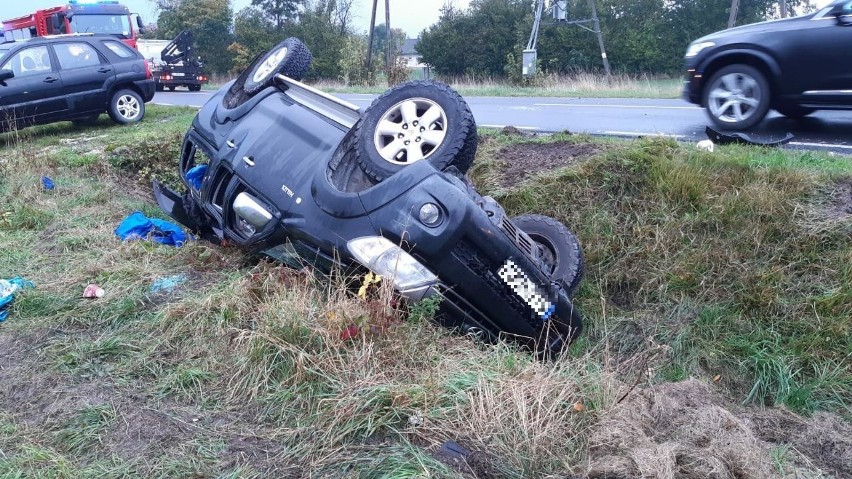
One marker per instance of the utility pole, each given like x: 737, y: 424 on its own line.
x: 370, y: 40
x: 388, y: 44
x: 599, y: 33
x: 530, y: 54
x: 783, y: 8
x: 732, y: 19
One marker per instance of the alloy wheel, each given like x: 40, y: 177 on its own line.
x: 410, y: 131
x: 734, y: 98
x: 128, y: 107
x: 269, y: 66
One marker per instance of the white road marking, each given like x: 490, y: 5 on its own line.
x: 650, y: 107
x: 642, y: 133
x: 514, y: 126
x: 820, y: 145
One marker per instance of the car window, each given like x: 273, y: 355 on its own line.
x: 76, y: 55
x: 119, y: 49
x: 29, y: 61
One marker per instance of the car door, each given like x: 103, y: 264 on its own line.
x: 34, y: 95
x: 86, y: 76
x: 817, y: 62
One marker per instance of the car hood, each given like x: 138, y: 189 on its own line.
x: 770, y: 26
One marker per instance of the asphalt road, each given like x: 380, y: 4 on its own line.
x: 615, y: 117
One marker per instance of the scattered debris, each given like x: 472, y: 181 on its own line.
x: 138, y: 226
x: 453, y: 451
x: 743, y: 139
x: 195, y: 176
x: 93, y: 291
x: 47, y: 183
x: 706, y: 145
x: 168, y: 284
x: 350, y: 332
x: 8, y: 288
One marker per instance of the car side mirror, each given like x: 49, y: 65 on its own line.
x: 140, y: 27
x: 5, y: 75
x: 844, y: 14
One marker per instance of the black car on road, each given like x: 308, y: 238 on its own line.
x: 71, y: 77
x: 795, y: 66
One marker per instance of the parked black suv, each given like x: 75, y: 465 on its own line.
x: 795, y: 66
x: 71, y: 77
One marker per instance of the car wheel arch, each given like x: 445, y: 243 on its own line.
x: 756, y: 59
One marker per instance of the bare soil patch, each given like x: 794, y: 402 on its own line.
x: 841, y: 199
x: 685, y: 430
x: 522, y: 161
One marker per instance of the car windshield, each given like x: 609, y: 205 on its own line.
x: 4, y: 49
x: 110, y: 24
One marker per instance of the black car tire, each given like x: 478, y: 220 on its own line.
x: 795, y: 112
x: 126, y: 106
x: 290, y: 58
x: 159, y: 87
x: 736, y: 87
x: 194, y: 87
x: 439, y: 128
x: 561, y: 248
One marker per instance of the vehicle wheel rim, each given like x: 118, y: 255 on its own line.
x: 411, y: 131
x: 734, y: 98
x: 269, y: 66
x: 547, y: 253
x: 128, y: 107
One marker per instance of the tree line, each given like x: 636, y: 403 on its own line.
x: 483, y: 40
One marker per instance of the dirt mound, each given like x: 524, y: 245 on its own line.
x: 680, y: 430
x: 841, y: 199
x: 524, y: 160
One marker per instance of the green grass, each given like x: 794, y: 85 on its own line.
x: 731, y: 267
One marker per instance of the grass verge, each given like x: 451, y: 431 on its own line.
x: 715, y: 282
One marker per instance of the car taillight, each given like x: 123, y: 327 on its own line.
x: 202, y: 78
x: 148, y: 74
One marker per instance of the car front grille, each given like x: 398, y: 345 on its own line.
x: 476, y: 261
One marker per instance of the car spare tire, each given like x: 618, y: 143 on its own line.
x: 559, y: 248
x: 290, y: 58
x: 415, y: 121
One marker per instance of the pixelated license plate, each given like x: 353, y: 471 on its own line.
x: 523, y: 286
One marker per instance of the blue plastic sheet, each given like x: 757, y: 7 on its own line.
x: 195, y: 176
x: 8, y: 288
x: 138, y: 226
x: 47, y: 182
x: 168, y: 284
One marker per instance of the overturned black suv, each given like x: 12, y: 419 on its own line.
x: 276, y: 166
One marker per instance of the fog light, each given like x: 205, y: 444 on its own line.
x: 430, y: 214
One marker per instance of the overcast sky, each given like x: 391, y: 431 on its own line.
x: 410, y: 15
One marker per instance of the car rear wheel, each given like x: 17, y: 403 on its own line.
x: 795, y: 112
x: 737, y: 97
x: 412, y: 122
x: 559, y: 249
x: 290, y: 58
x: 194, y: 87
x: 126, y: 106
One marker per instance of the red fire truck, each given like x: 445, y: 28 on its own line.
x: 77, y: 16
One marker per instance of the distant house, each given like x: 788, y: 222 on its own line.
x: 409, y: 52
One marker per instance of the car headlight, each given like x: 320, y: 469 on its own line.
x: 696, y: 48
x: 390, y: 261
